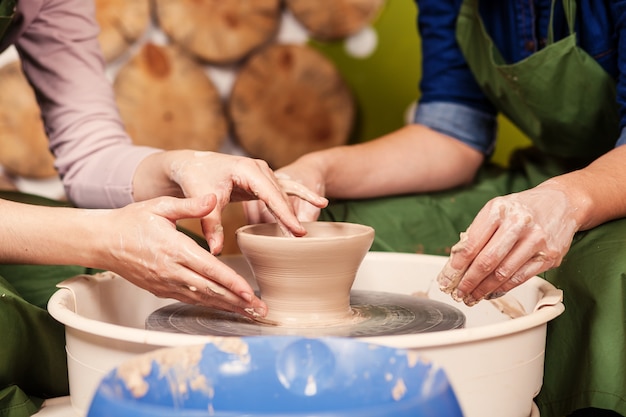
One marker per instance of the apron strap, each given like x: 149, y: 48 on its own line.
x: 569, y: 6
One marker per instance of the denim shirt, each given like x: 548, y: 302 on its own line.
x: 451, y: 101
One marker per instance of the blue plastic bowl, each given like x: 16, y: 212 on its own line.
x: 276, y: 376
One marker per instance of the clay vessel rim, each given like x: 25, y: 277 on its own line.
x: 356, y: 230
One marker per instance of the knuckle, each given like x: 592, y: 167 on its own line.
x: 518, y: 279
x: 554, y: 256
x: 465, y: 250
x: 261, y: 163
x: 479, y: 294
x: 501, y: 274
x: 556, y: 262
x: 485, y: 264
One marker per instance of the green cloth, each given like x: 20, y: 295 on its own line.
x: 585, y: 363
x: 7, y: 7
x: 566, y: 103
x: 33, y: 363
x: 32, y: 356
x: 7, y: 11
x: 559, y: 96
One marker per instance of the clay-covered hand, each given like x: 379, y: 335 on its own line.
x: 234, y: 178
x: 512, y: 238
x: 142, y: 244
x: 296, y: 179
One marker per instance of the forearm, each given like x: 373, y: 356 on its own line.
x: 597, y: 192
x: 410, y: 160
x: 32, y: 234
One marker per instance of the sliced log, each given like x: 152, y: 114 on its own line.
x: 219, y: 31
x: 7, y: 184
x: 334, y: 19
x: 167, y: 100
x: 122, y: 23
x: 288, y: 100
x: 24, y: 149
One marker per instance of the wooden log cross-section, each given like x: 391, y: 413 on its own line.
x: 167, y: 100
x: 24, y: 149
x: 219, y: 31
x: 288, y: 100
x: 328, y: 20
x: 122, y: 23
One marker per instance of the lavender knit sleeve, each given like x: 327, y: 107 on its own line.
x: 60, y: 54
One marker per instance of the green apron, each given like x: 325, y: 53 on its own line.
x: 33, y: 363
x: 7, y: 11
x: 554, y: 96
x: 565, y: 102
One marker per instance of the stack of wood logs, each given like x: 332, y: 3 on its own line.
x: 286, y: 99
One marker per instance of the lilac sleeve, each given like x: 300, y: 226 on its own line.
x: 61, y: 57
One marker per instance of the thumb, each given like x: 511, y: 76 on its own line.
x: 186, y: 208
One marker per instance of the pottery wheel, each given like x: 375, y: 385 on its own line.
x: 377, y: 314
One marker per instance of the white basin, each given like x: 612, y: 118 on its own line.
x: 495, y: 364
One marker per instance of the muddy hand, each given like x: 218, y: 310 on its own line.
x: 511, y: 239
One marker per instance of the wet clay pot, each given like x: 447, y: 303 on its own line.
x: 306, y: 281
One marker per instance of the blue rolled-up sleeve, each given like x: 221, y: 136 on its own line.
x: 451, y: 102
x: 473, y: 127
x: 622, y: 138
x: 619, y: 17
x: 445, y: 73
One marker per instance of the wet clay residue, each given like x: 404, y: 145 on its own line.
x: 399, y: 390
x: 413, y: 358
x: 509, y: 306
x: 233, y: 345
x: 179, y: 365
x: 420, y: 294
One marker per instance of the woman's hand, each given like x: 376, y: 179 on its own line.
x: 511, y: 239
x: 296, y: 179
x: 231, y: 178
x: 140, y: 242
